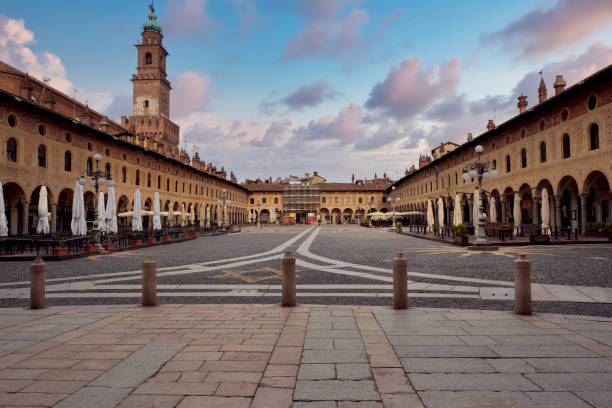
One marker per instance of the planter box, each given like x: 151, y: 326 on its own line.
x: 598, y: 234
x: 136, y: 242
x: 152, y: 240
x: 167, y: 238
x: 109, y: 247
x: 463, y: 240
x: 91, y: 248
x: 59, y: 251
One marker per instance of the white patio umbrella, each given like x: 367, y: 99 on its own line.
x: 492, y: 209
x: 192, y: 216
x: 458, y: 213
x: 3, y: 223
x: 183, y: 216
x: 101, y: 213
x: 43, y: 212
x: 137, y: 216
x: 202, y: 215
x: 545, y: 211
x: 430, y: 216
x: 78, y: 226
x: 156, y: 212
x: 517, y: 213
x: 208, y: 216
x: 475, y: 208
x: 441, y: 211
x: 111, y: 209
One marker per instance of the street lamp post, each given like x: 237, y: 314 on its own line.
x: 482, y: 170
x: 97, y: 180
x: 393, y: 197
x: 223, y: 200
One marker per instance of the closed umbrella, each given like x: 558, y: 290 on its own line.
x: 208, y: 216
x: 545, y: 211
x: 101, y: 213
x: 3, y: 223
x: 137, y: 216
x: 156, y: 212
x: 441, y: 211
x: 183, y: 216
x: 517, y: 213
x: 202, y: 215
x: 458, y: 213
x: 493, y: 209
x: 475, y: 209
x: 192, y: 216
x: 430, y: 216
x: 43, y: 212
x: 78, y: 226
x: 111, y: 209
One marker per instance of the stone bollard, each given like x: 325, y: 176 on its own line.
x: 38, y: 270
x: 149, y: 283
x: 522, y: 285
x: 288, y: 298
x: 400, y: 282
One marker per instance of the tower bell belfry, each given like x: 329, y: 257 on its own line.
x: 150, y: 121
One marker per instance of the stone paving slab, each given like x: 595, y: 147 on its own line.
x: 305, y: 357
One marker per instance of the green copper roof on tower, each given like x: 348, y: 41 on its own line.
x: 152, y: 24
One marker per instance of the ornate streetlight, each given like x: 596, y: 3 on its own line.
x: 224, y: 200
x: 393, y: 197
x: 482, y: 170
x: 258, y: 208
x: 97, y: 179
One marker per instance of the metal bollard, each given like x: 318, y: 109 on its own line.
x: 522, y: 285
x: 400, y: 282
x: 38, y: 270
x: 288, y: 298
x: 149, y: 282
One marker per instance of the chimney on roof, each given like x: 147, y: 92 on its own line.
x: 542, y: 91
x: 469, y: 139
x: 490, y: 124
x: 559, y: 84
x: 522, y: 103
x: 353, y: 178
x: 315, y: 174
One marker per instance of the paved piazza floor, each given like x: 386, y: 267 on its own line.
x: 335, y: 265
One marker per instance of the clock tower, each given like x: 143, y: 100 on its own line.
x: 150, y: 121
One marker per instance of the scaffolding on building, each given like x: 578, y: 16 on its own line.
x: 301, y: 202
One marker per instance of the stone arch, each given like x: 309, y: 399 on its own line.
x: 64, y: 210
x: 597, y: 197
x: 336, y: 216
x: 16, y: 208
x: 569, y: 197
x: 325, y: 216
x: 347, y: 215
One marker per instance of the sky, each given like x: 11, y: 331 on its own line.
x: 268, y: 88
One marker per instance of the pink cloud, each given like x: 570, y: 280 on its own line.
x: 326, y: 33
x: 344, y: 127
x: 187, y: 17
x: 410, y: 88
x: 309, y: 95
x: 544, y: 31
x: 190, y: 93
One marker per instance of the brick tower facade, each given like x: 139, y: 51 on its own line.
x: 150, y: 121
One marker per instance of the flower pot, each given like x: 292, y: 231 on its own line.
x: 461, y: 240
x: 152, y: 240
x: 136, y: 242
x: 91, y: 248
x: 109, y: 247
x: 59, y: 251
x: 167, y: 238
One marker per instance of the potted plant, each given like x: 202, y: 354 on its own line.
x: 167, y: 238
x: 91, y: 238
x: 110, y: 244
x: 60, y: 249
x: 398, y: 225
x: 135, y: 239
x: 460, y: 232
x: 152, y: 240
